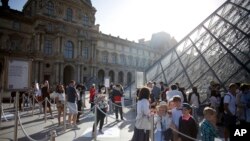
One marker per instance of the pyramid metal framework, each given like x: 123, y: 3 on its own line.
x: 218, y: 49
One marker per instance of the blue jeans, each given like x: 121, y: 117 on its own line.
x: 158, y: 136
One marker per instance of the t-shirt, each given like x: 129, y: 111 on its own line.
x: 231, y: 100
x: 72, y: 95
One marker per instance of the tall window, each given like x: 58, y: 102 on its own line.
x: 85, y: 20
x: 105, y: 57
x: 123, y: 59
x: 69, y: 14
x: 48, y: 47
x: 50, y: 8
x: 114, y: 59
x: 68, y: 50
x: 85, y: 53
x: 130, y: 60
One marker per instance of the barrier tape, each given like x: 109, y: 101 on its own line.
x: 113, y: 117
x: 123, y: 106
x: 25, y: 133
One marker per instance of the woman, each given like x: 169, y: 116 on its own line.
x: 46, y: 94
x: 143, y: 111
x: 102, y: 108
x: 60, y: 100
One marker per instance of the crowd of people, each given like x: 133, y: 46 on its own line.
x: 177, y: 117
x: 175, y: 113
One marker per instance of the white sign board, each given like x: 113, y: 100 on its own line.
x: 106, y: 82
x: 18, y: 75
x: 139, y: 79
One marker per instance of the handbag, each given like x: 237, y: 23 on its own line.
x: 143, y: 123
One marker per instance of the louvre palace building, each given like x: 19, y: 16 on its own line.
x: 62, y: 42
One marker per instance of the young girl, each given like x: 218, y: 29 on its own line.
x: 187, y: 124
x: 60, y: 100
x: 162, y: 122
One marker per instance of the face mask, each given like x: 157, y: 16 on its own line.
x: 102, y: 91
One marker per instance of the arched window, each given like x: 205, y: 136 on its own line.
x: 69, y: 14
x: 50, y: 8
x: 112, y: 76
x: 69, y: 50
x: 85, y: 20
x: 129, y: 78
x: 120, y: 77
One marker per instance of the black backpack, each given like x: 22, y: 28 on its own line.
x: 221, y: 106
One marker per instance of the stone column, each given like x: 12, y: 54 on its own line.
x: 57, y: 74
x: 42, y: 42
x: 40, y: 71
x: 61, y: 67
x: 78, y: 73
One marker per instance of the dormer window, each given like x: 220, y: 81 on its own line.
x: 69, y: 14
x: 50, y: 8
x: 85, y: 20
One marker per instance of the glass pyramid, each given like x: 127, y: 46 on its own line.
x: 218, y: 49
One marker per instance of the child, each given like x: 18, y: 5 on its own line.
x: 162, y: 122
x: 208, y: 125
x: 187, y: 124
x: 176, y: 114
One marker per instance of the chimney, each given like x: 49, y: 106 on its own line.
x: 5, y: 4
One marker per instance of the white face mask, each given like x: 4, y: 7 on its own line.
x: 102, y: 91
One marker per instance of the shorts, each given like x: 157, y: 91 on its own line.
x: 72, y: 108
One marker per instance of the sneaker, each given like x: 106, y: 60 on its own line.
x: 101, y: 132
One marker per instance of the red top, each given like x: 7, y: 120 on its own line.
x: 92, y: 94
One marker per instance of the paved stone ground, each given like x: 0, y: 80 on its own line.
x: 37, y: 129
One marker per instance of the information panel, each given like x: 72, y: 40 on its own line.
x: 106, y: 82
x: 18, y: 74
x: 139, y: 80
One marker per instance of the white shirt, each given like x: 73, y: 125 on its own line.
x: 162, y: 121
x: 231, y: 100
x: 142, y: 108
x: 194, y: 101
x: 215, y: 102
x: 61, y: 96
x: 170, y: 94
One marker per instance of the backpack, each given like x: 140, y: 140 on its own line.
x: 221, y: 106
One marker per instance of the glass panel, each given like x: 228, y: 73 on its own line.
x: 183, y: 47
x: 172, y: 71
x: 214, y: 53
x: 241, y: 76
x: 153, y: 72
x: 189, y: 57
x: 244, y: 24
x: 197, y: 68
x: 182, y: 80
x: 167, y: 60
x: 230, y: 64
x: 203, y: 83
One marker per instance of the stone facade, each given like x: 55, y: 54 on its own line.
x: 62, y: 42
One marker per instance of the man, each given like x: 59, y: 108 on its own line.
x: 174, y: 92
x: 71, y: 96
x: 230, y: 111
x: 156, y: 92
x: 117, y: 95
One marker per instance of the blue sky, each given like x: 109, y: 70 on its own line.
x: 136, y: 19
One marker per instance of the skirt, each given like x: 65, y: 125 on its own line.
x: 140, y: 135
